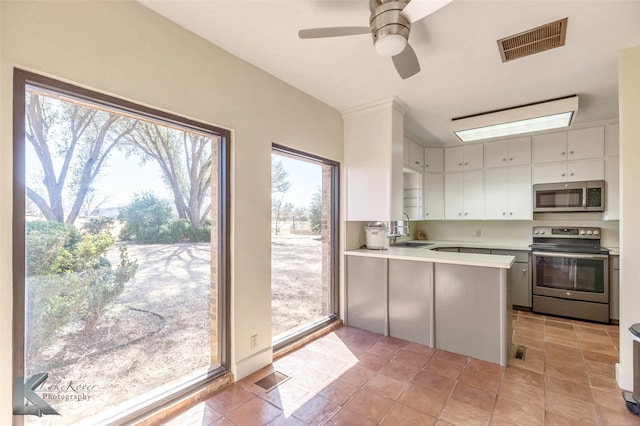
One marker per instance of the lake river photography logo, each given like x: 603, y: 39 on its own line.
x: 26, y: 402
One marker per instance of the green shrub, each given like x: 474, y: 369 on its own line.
x: 96, y: 224
x: 143, y: 218
x: 68, y: 275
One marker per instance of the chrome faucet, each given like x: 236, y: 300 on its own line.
x: 408, y: 221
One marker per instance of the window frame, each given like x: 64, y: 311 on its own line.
x: 22, y: 78
x: 334, y: 300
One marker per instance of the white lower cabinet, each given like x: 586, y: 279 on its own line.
x: 464, y: 195
x: 508, y: 193
x: 367, y: 293
x: 433, y: 196
x: 411, y: 301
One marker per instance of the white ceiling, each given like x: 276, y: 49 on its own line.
x: 462, y: 72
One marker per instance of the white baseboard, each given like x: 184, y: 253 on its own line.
x: 624, y: 378
x: 253, y: 363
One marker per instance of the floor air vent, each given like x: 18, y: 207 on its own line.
x: 520, y: 351
x: 272, y: 380
x: 533, y: 41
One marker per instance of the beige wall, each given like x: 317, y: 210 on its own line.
x: 629, y: 96
x: 124, y: 49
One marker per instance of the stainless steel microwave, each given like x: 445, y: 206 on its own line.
x: 587, y: 196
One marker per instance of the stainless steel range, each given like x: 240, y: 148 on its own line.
x: 570, y: 273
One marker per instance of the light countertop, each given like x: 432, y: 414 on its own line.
x: 426, y: 254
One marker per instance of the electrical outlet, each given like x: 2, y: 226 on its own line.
x: 254, y: 341
x: 478, y: 232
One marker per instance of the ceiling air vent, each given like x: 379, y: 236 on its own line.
x: 533, y: 41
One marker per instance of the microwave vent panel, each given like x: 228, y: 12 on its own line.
x: 533, y: 41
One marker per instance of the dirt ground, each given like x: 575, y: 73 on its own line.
x: 156, y: 332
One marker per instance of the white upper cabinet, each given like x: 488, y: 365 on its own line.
x: 416, y: 156
x: 434, y: 160
x: 464, y: 195
x: 582, y: 144
x: 571, y: 171
x: 510, y: 152
x: 612, y: 140
x: 549, y: 148
x: 508, y: 193
x: 463, y: 158
x: 433, y: 196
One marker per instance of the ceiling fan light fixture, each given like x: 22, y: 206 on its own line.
x: 390, y: 44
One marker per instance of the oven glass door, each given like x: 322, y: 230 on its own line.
x: 572, y: 276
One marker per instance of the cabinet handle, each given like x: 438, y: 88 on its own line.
x: 459, y: 164
x: 426, y: 214
x: 571, y: 174
x: 510, y: 158
x: 504, y: 159
x: 466, y: 164
x: 563, y: 174
x: 459, y: 214
x: 465, y: 213
x: 504, y: 213
x: 417, y: 162
x: 563, y: 153
x: 524, y: 271
x: 570, y: 152
x: 510, y: 213
x: 426, y: 165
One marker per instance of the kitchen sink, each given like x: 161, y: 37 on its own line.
x: 412, y: 244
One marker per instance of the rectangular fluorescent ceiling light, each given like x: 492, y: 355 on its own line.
x: 513, y: 121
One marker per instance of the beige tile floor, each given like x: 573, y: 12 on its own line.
x: 355, y: 377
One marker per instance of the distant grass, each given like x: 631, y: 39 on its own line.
x: 296, y: 281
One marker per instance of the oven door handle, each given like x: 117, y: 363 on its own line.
x: 584, y: 198
x: 571, y: 255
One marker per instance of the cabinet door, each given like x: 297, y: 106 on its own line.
x: 453, y: 195
x: 411, y: 301
x: 549, y: 148
x: 473, y: 195
x: 614, y: 288
x: 583, y: 144
x: 473, y: 157
x: 519, y: 193
x: 520, y: 281
x: 495, y: 154
x: 585, y: 170
x: 612, y: 192
x: 495, y: 192
x: 454, y: 159
x: 366, y: 293
x: 405, y: 152
x: 416, y: 156
x: 612, y: 140
x: 433, y: 196
x: 433, y: 160
x: 519, y: 151
x: 549, y: 173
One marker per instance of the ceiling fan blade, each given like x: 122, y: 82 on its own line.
x: 418, y: 9
x: 332, y: 32
x: 406, y: 63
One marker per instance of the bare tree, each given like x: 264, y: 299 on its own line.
x: 279, y: 186
x: 72, y: 143
x: 185, y: 160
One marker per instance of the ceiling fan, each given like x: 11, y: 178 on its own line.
x: 389, y: 25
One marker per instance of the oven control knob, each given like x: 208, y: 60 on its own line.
x: 582, y: 232
x: 589, y: 232
x: 568, y: 293
x: 596, y: 232
x: 541, y: 232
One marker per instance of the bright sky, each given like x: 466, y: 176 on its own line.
x: 305, y: 178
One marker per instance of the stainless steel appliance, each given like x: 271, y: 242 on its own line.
x: 587, y: 196
x: 570, y: 273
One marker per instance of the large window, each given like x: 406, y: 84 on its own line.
x: 304, y: 241
x: 120, y: 253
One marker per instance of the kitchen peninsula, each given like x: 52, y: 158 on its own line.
x: 458, y: 302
